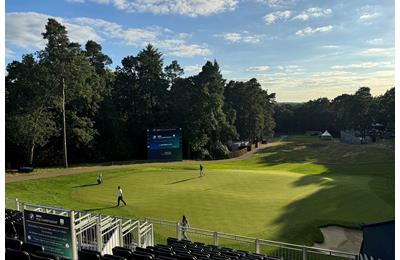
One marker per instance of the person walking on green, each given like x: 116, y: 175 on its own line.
x: 120, y: 198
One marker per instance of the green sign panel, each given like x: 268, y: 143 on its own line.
x: 53, y: 232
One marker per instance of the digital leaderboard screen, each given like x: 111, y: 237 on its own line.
x: 164, y: 144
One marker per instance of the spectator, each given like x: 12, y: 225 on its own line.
x: 100, y: 179
x: 185, y: 227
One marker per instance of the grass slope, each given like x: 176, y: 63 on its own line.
x: 286, y: 192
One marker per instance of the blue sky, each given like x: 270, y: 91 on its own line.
x: 298, y: 49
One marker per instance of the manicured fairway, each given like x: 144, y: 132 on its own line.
x: 283, y: 193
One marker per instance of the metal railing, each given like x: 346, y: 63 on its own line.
x: 250, y: 244
x: 102, y: 233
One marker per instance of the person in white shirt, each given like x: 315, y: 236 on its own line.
x: 120, y: 196
x: 100, y: 179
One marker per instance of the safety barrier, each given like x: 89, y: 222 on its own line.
x: 102, y: 233
x: 259, y: 246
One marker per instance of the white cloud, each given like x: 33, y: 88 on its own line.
x: 191, y: 8
x: 312, y: 13
x: 368, y: 17
x: 245, y: 37
x: 363, y: 65
x: 330, y: 46
x: 232, y: 37
x: 290, y: 68
x: 379, y: 52
x: 310, y: 31
x: 76, y: 1
x: 258, y: 68
x: 193, y: 69
x: 278, y: 15
x: 277, y: 3
x: 375, y: 41
x: 180, y: 48
x: 25, y: 30
x: 226, y: 72
x: 9, y: 53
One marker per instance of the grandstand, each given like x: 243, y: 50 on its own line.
x: 103, y: 237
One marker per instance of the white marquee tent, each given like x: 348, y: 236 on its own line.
x: 326, y: 136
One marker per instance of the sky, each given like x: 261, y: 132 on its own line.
x: 298, y: 49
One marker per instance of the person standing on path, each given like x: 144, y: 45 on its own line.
x: 120, y: 196
x: 185, y: 226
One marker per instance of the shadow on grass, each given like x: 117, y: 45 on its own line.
x: 95, y: 209
x: 349, y: 192
x: 184, y: 180
x: 85, y: 185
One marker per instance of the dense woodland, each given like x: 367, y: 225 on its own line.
x: 358, y: 112
x: 65, y: 105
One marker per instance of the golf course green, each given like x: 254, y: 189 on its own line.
x: 284, y: 192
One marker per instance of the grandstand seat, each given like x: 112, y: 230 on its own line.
x: 172, y: 240
x: 185, y: 257
x: 48, y: 255
x: 10, y: 229
x: 12, y: 254
x: 123, y: 252
x: 13, y: 243
x: 161, y: 257
x: 37, y: 257
x: 142, y: 256
x: 88, y: 255
x: 200, y: 255
x: 182, y: 251
x: 199, y: 244
x: 213, y: 247
x: 19, y: 227
x: 149, y: 250
x: 226, y: 249
x: 112, y: 257
x: 31, y: 248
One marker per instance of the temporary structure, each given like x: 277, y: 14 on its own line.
x: 326, y: 136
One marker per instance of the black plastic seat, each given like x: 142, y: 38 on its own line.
x: 10, y: 229
x: 31, y: 248
x: 19, y: 228
x: 12, y: 254
x: 123, y: 252
x: 185, y: 257
x: 13, y: 243
x: 142, y: 256
x: 148, y: 250
x: 171, y: 240
x: 112, y: 257
x: 88, y: 255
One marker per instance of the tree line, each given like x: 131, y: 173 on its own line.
x: 356, y: 111
x: 64, y: 104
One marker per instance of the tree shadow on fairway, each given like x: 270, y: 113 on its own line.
x: 85, y: 185
x: 351, y: 185
x: 184, y: 180
x: 95, y: 209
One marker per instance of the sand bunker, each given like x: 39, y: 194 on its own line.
x: 341, y: 239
